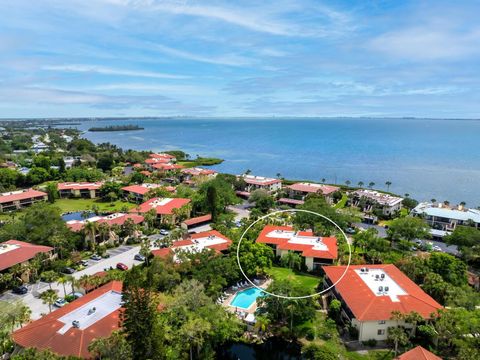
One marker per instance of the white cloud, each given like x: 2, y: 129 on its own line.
x: 428, y: 42
x: 82, y: 68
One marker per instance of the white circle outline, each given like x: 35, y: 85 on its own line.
x: 294, y: 297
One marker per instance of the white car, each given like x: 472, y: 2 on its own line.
x: 437, y: 248
x: 60, y: 302
x: 163, y: 232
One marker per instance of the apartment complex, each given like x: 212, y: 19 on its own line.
x: 368, y: 200
x: 442, y: 217
x: 14, y: 200
x: 87, y: 190
x: 370, y: 293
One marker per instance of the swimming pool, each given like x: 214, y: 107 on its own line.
x: 77, y: 215
x: 245, y: 298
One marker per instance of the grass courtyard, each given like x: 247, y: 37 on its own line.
x: 307, y: 281
x: 67, y: 205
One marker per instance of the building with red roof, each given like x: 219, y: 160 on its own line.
x: 164, y: 207
x: 418, y: 353
x: 137, y: 192
x: 253, y: 183
x: 195, y: 243
x: 161, y: 167
x: 300, y: 190
x: 197, y: 221
x: 69, y: 330
x: 190, y: 173
x: 13, y: 252
x: 14, y: 200
x: 110, y: 220
x: 79, y: 189
x: 370, y: 293
x: 163, y: 156
x: 316, y: 250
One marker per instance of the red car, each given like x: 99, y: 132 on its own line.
x: 121, y: 266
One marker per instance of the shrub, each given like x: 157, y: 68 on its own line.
x: 370, y: 343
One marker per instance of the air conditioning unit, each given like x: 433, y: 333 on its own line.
x: 382, y: 276
x: 76, y: 323
x: 386, y: 288
x: 380, y: 288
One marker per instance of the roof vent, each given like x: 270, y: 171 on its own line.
x: 362, y: 270
x: 377, y: 276
x: 366, y: 269
x: 386, y: 288
x: 382, y: 276
x: 76, y: 323
x: 380, y: 288
x: 91, y: 311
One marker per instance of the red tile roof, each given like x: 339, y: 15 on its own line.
x: 306, y: 249
x: 77, y: 225
x: 418, y: 353
x: 313, y: 188
x: 19, y: 253
x: 79, y: 186
x: 163, y: 253
x: 257, y: 180
x: 146, y: 172
x: 140, y: 189
x: 161, y: 166
x: 162, y: 155
x: 291, y: 201
x: 198, y: 171
x: 20, y: 195
x: 43, y: 333
x: 198, y: 220
x: 165, y: 209
x: 219, y: 247
x: 157, y: 161
x: 366, y: 306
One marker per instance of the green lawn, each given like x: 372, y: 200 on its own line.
x: 342, y: 202
x: 67, y: 205
x: 305, y: 280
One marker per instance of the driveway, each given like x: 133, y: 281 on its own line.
x: 123, y: 254
x: 240, y: 211
x: 382, y: 232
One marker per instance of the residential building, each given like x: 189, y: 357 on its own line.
x: 195, y: 243
x: 442, y: 217
x: 137, y: 192
x: 14, y: 252
x: 368, y: 200
x: 418, y: 353
x: 196, y: 221
x: 164, y: 207
x: 69, y: 330
x: 190, y: 173
x: 370, y: 293
x: 19, y: 199
x: 163, y: 156
x: 316, y: 250
x: 253, y: 183
x: 162, y: 167
x: 112, y: 219
x: 299, y: 191
x: 79, y: 189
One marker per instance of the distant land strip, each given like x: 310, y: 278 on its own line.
x: 117, y: 128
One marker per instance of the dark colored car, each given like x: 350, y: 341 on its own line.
x: 68, y: 270
x: 139, y: 257
x: 106, y: 255
x: 21, y: 290
x: 122, y: 266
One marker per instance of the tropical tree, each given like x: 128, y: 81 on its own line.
x: 348, y: 182
x: 388, y: 183
x: 398, y: 337
x: 91, y: 228
x: 413, y: 318
x: 114, y: 347
x: 62, y: 280
x: 49, y: 276
x: 49, y: 297
x: 323, y: 180
x: 360, y: 184
x: 292, y: 260
x: 371, y: 184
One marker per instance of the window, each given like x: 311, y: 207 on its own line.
x: 380, y: 332
x: 381, y: 322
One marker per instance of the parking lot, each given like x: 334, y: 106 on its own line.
x: 123, y: 254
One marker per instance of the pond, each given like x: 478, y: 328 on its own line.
x: 273, y: 349
x: 78, y: 215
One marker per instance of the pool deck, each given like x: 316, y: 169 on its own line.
x: 231, y: 294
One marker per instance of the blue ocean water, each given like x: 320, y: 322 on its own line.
x: 425, y: 158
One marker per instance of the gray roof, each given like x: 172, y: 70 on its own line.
x: 449, y: 213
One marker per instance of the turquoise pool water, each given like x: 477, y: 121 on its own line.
x: 245, y: 298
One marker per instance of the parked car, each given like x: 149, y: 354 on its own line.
x: 76, y: 295
x: 96, y: 257
x: 139, y: 257
x: 122, y: 266
x: 164, y: 232
x: 84, y: 262
x: 238, y: 224
x: 350, y: 230
x: 437, y: 248
x: 106, y: 255
x: 60, y: 302
x: 68, y: 270
x: 20, y: 290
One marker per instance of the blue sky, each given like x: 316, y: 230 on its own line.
x: 239, y: 58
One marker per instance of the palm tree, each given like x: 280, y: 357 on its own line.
x: 348, y: 182
x: 407, y: 195
x: 262, y: 324
x: 248, y: 172
x: 279, y: 175
x: 292, y: 260
x: 398, y: 337
x: 49, y: 297
x: 371, y: 184
x: 360, y: 184
x: 413, y: 318
x: 103, y: 230
x: 433, y: 201
x: 388, y: 183
x: 91, y: 228
x: 323, y: 180
x: 24, y: 315
x: 62, y: 280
